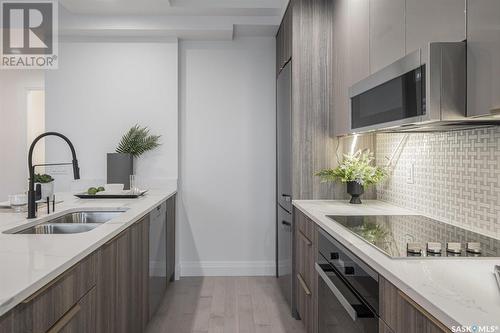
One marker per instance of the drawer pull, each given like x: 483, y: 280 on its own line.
x: 424, y: 312
x: 59, y: 325
x: 303, y: 285
x: 306, y: 240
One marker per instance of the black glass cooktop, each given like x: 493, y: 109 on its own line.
x: 403, y: 236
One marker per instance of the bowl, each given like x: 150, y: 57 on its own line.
x: 18, y: 201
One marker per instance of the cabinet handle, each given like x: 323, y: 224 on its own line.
x: 59, y: 325
x: 303, y: 284
x: 424, y: 312
x: 306, y: 240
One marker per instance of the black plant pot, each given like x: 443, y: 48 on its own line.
x: 355, y: 189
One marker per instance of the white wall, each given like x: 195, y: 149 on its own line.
x: 100, y: 91
x: 226, y: 205
x: 14, y: 87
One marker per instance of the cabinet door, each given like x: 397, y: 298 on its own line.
x: 287, y: 40
x: 340, y: 50
x: 387, y: 32
x: 279, y: 50
x: 483, y: 57
x: 123, y: 283
x: 113, y: 285
x: 284, y: 40
x: 139, y: 273
x: 434, y: 21
x: 106, y: 288
x: 359, y: 40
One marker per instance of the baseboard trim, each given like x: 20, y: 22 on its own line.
x: 228, y: 268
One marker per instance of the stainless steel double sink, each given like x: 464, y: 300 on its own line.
x: 72, y: 223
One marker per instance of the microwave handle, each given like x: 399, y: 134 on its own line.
x: 345, y: 303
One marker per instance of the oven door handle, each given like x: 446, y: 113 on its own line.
x: 342, y: 300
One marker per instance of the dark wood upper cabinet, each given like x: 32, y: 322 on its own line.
x: 433, y: 21
x: 284, y: 40
x: 483, y: 57
x: 387, y: 32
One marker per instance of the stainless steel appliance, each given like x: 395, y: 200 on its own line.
x: 348, y: 291
x: 157, y: 256
x: 406, y: 236
x: 284, y: 182
x: 423, y: 91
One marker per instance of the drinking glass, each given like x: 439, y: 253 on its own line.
x: 134, y: 189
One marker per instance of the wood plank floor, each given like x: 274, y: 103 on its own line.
x: 224, y: 305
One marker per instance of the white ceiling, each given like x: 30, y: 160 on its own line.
x: 183, y: 19
x: 176, y: 7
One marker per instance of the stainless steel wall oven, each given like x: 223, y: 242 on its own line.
x: 348, y: 294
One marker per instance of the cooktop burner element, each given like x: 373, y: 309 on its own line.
x: 402, y: 236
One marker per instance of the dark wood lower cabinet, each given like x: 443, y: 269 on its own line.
x: 123, y: 281
x: 42, y: 310
x: 305, y: 273
x: 107, y: 292
x: 403, y: 315
x: 398, y: 312
x: 106, y: 288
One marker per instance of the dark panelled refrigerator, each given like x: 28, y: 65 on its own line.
x: 284, y: 221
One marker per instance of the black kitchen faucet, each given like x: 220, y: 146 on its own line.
x: 31, y: 168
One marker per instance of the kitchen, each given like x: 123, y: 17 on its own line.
x: 248, y: 166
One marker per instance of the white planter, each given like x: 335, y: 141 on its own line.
x: 47, y: 190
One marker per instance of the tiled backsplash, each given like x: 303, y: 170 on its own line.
x: 456, y: 176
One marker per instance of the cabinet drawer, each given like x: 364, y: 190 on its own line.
x: 304, y: 224
x: 81, y: 318
x: 305, y: 258
x: 44, y: 308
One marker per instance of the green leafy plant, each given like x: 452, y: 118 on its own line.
x: 137, y: 141
x: 358, y: 167
x: 43, y: 179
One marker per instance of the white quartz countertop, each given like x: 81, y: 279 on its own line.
x: 457, y: 291
x: 28, y: 262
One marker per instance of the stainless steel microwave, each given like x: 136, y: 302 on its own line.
x: 423, y: 90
